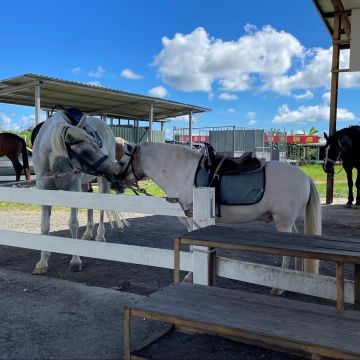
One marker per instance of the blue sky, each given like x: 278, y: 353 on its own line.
x: 263, y: 64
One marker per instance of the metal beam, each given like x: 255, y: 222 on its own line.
x: 190, y: 129
x: 151, y: 119
x: 11, y: 89
x: 37, y: 103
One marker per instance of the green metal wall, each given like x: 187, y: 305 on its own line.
x: 132, y: 134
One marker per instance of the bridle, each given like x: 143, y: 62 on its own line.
x: 125, y: 173
x: 334, y: 161
x: 74, y: 155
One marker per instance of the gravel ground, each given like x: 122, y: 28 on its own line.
x: 158, y: 231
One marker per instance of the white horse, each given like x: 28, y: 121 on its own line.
x: 289, y: 192
x: 66, y: 157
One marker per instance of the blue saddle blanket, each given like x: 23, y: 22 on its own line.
x: 237, y: 189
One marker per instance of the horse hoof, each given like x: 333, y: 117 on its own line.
x: 356, y: 206
x: 277, y: 292
x: 40, y: 271
x: 75, y: 267
x: 348, y: 206
x: 188, y: 278
x: 87, y: 237
x: 100, y: 238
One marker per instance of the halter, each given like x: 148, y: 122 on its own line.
x: 130, y: 163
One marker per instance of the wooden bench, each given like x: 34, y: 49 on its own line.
x: 305, y: 329
x: 277, y: 323
x: 328, y: 248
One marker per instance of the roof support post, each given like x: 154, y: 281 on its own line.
x: 151, y: 116
x: 37, y: 103
x: 333, y: 97
x: 190, y: 129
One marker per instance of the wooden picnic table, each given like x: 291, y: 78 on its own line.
x: 327, y: 248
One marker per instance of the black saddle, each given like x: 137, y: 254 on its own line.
x: 74, y: 115
x: 222, y: 165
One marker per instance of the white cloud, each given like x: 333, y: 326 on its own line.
x: 94, y: 83
x: 227, y: 97
x: 5, y: 122
x: 231, y: 110
x: 129, y: 74
x: 98, y: 73
x: 251, y: 118
x: 304, y: 96
x: 193, y: 62
x: 76, y: 70
x: 309, y: 114
x: 158, y: 91
x: 265, y: 59
x: 326, y: 97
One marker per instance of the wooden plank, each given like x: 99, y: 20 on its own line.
x: 133, y: 254
x: 357, y: 287
x: 177, y: 260
x: 122, y: 203
x: 127, y: 343
x: 276, y: 243
x: 275, y: 277
x: 233, y: 235
x: 228, y: 311
x: 340, y: 286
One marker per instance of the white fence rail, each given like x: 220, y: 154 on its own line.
x: 203, y: 210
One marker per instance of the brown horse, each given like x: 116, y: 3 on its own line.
x: 12, y: 146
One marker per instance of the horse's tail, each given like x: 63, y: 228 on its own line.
x: 312, y: 223
x: 25, y: 160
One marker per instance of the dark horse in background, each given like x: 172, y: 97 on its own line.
x: 344, y: 146
x: 12, y: 146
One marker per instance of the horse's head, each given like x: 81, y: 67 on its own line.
x: 332, y: 153
x: 131, y: 171
x: 82, y: 152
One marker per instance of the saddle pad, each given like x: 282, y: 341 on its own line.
x: 239, y: 189
x: 243, y: 188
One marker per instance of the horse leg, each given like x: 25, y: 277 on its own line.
x: 18, y: 168
x: 282, y: 226
x: 348, y: 171
x: 104, y: 189
x: 357, y: 184
x: 88, y: 234
x: 75, y: 262
x: 299, y: 262
x: 42, y: 266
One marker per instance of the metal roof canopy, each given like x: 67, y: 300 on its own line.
x: 337, y: 16
x: 90, y: 99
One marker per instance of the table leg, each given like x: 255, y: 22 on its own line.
x: 177, y: 260
x: 127, y: 353
x: 340, y: 303
x: 357, y: 287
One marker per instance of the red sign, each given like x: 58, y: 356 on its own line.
x: 292, y: 139
x: 195, y: 138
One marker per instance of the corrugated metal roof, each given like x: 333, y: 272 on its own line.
x: 327, y: 8
x: 90, y: 98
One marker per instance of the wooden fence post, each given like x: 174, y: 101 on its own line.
x: 203, y: 215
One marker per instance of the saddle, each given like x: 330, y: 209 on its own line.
x: 237, y: 181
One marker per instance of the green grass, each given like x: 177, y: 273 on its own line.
x: 319, y: 177
x: 314, y: 171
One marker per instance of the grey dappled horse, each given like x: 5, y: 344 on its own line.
x: 66, y: 157
x: 289, y: 192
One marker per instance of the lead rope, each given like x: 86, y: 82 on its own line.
x: 55, y: 176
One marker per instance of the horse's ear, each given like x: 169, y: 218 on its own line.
x: 326, y: 137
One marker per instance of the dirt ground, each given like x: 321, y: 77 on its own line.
x: 159, y: 231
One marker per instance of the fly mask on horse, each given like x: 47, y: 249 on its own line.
x: 66, y: 157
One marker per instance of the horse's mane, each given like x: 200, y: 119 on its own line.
x: 176, y: 148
